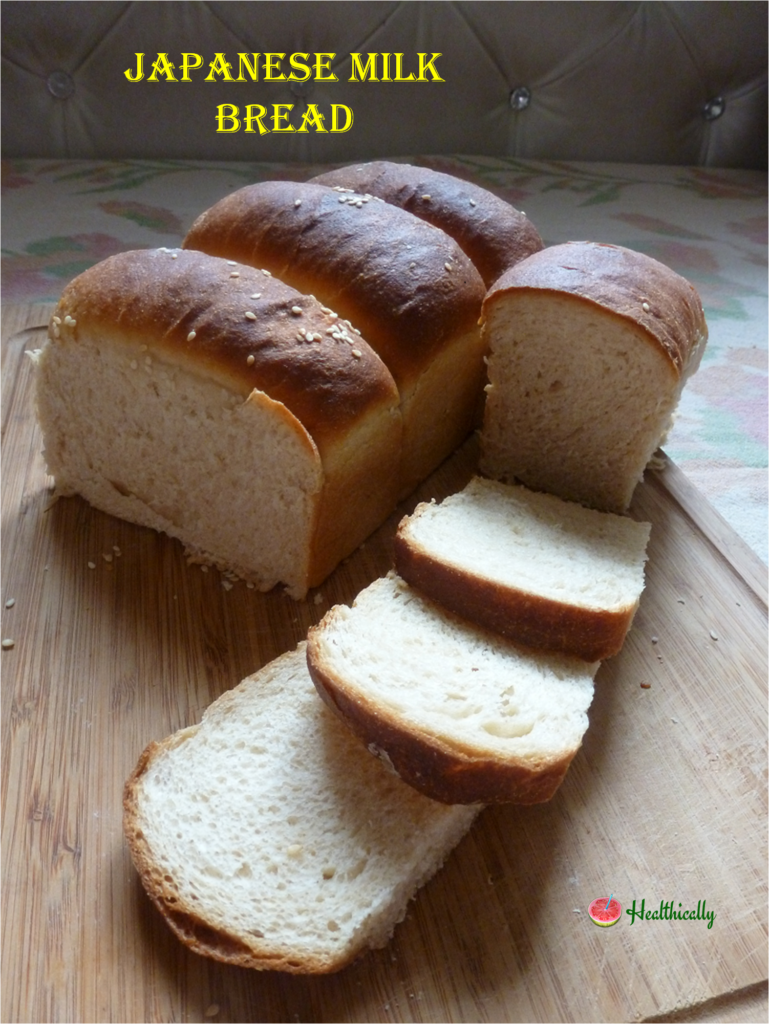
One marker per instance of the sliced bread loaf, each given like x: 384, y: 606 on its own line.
x: 542, y: 571
x: 268, y: 838
x: 461, y: 714
x: 589, y: 349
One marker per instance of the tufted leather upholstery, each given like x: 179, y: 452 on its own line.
x: 658, y: 82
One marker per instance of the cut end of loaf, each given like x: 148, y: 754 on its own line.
x: 589, y: 348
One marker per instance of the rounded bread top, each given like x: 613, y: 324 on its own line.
x: 489, y: 230
x: 625, y: 282
x: 235, y: 324
x: 404, y: 283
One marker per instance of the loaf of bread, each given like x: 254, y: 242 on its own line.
x: 268, y: 837
x: 216, y: 404
x: 406, y: 285
x: 541, y: 571
x: 490, y: 231
x: 590, y: 346
x: 461, y: 714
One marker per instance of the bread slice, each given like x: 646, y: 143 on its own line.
x: 541, y: 571
x: 207, y: 400
x: 404, y: 284
x: 461, y: 714
x: 589, y: 349
x: 490, y: 231
x: 268, y: 838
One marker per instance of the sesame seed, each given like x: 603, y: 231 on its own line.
x: 266, y: 272
x: 645, y: 307
x: 107, y: 556
x: 117, y: 550
x: 148, y: 360
x: 294, y: 850
x: 134, y: 365
x: 56, y: 331
x: 342, y: 199
x: 8, y: 643
x: 472, y: 202
x: 235, y: 273
x: 204, y: 568
x: 655, y: 639
x: 296, y: 310
x: 92, y: 565
x: 427, y: 198
x: 356, y: 352
x: 212, y: 1010
x: 251, y: 360
x: 448, y: 267
x: 297, y: 202
x: 334, y: 316
x: 713, y: 634
x: 10, y: 602
x: 250, y: 585
x: 174, y: 255
x: 192, y: 335
x: 56, y: 319
x: 231, y: 263
x: 249, y: 315
x: 226, y: 584
x: 256, y: 295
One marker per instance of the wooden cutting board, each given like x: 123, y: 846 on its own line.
x: 665, y: 802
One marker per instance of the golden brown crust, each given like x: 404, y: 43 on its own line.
x: 379, y: 267
x: 427, y: 763
x: 489, y: 230
x: 193, y: 306
x: 624, y: 282
x: 524, y: 618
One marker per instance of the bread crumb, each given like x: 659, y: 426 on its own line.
x: 8, y: 644
x: 212, y: 1010
x: 318, y: 598
x: 655, y: 639
x: 92, y: 565
x: 107, y: 556
x: 294, y: 850
x: 646, y: 686
x: 117, y: 550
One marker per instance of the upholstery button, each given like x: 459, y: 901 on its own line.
x: 520, y: 98
x: 302, y: 89
x: 60, y: 85
x: 714, y: 108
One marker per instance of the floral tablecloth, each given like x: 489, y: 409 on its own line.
x: 59, y: 217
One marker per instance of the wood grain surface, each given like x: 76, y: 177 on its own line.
x: 666, y: 801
